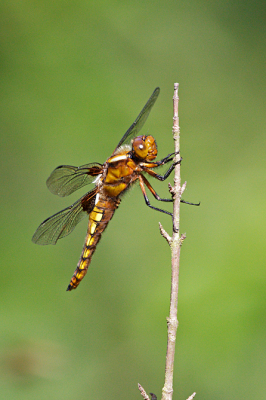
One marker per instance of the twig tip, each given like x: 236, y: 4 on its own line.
x: 182, y: 238
x: 192, y: 396
x: 164, y: 234
x: 171, y: 189
x: 143, y: 393
x: 183, y: 187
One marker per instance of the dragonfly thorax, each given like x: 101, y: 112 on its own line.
x: 144, y: 148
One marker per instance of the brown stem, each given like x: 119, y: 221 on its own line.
x: 176, y: 241
x: 143, y: 393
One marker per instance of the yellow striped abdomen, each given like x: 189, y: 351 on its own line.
x: 98, y: 220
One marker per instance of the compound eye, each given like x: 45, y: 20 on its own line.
x: 139, y: 147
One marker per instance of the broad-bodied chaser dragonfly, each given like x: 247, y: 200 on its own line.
x: 133, y: 156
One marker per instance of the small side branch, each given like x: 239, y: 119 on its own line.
x: 143, y: 393
x: 165, y: 234
x: 183, y: 187
x: 192, y: 396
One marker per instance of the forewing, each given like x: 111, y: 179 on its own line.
x: 66, y: 179
x: 62, y: 223
x: 140, y: 120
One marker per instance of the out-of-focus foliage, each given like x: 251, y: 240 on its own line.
x: 74, y: 75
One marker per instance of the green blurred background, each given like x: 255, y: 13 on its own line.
x: 74, y: 75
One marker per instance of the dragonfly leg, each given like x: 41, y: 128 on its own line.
x: 157, y: 197
x: 191, y: 204
x: 174, y: 227
x: 168, y: 158
x: 155, y: 164
x: 143, y: 180
x: 165, y: 176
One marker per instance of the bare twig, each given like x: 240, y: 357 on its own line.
x: 165, y: 234
x: 183, y: 187
x: 182, y: 238
x: 176, y: 242
x: 192, y: 396
x: 143, y: 393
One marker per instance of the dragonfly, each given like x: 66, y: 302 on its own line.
x: 133, y: 156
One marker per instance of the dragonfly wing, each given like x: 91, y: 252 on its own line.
x: 140, y: 120
x: 66, y: 179
x: 62, y: 223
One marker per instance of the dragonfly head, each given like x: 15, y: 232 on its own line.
x: 144, y: 148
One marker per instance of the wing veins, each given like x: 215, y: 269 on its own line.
x: 66, y: 179
x: 63, y: 222
x: 137, y: 125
